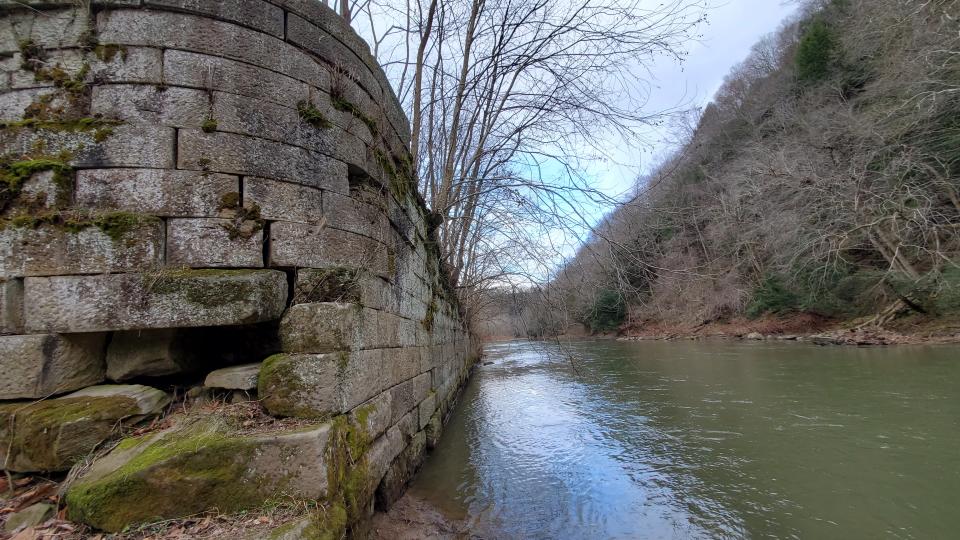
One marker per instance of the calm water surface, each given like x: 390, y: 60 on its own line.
x: 602, y: 439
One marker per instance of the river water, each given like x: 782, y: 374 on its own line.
x: 699, y: 439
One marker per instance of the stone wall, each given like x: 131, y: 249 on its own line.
x: 213, y: 190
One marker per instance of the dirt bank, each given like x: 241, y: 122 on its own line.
x: 412, y: 518
x: 804, y: 327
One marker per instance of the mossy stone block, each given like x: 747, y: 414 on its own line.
x: 198, y: 466
x: 53, y: 435
x: 169, y: 299
x: 301, y: 385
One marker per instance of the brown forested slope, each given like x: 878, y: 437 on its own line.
x: 823, y: 178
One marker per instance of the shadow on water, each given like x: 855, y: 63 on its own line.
x: 703, y: 440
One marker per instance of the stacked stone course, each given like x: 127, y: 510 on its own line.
x: 187, y: 185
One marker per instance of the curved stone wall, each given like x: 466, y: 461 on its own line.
x: 190, y: 185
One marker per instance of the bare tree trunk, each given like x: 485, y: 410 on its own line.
x: 418, y: 83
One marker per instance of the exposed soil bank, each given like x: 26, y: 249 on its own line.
x: 805, y: 327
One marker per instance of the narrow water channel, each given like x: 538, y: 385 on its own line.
x: 604, y: 439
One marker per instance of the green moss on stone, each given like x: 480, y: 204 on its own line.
x: 35, y: 429
x: 209, y: 125
x: 106, y: 52
x: 76, y: 125
x: 347, y: 467
x: 116, y: 225
x: 13, y: 175
x: 281, y: 387
x: 340, y: 103
x: 311, y: 115
x: 205, y: 465
x: 195, y: 286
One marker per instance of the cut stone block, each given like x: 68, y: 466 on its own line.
x: 38, y: 366
x: 218, y: 38
x: 267, y: 120
x: 11, y: 306
x: 126, y: 145
x: 336, y: 326
x: 243, y: 377
x: 434, y: 429
x: 317, y: 246
x: 160, y: 192
x: 408, y: 394
x: 131, y: 65
x: 53, y: 435
x: 321, y: 327
x: 249, y: 156
x: 335, y: 284
x: 169, y: 299
x: 144, y: 353
x: 283, y: 201
x: 426, y: 409
x: 374, y: 415
x: 401, y: 471
x: 313, y: 38
x: 260, y: 15
x: 301, y: 385
x: 349, y: 214
x: 50, y: 29
x: 181, y: 68
x: 110, y: 243
x: 209, y: 243
x: 148, y: 400
x: 150, y: 104
x: 43, y: 192
x: 197, y: 467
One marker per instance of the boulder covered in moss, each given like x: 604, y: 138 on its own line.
x: 301, y: 385
x: 53, y: 435
x: 200, y: 465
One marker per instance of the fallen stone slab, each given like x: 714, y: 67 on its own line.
x: 171, y: 299
x: 198, y: 465
x: 52, y: 435
x: 40, y: 365
x: 235, y: 377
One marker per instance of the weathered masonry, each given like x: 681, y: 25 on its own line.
x: 208, y: 216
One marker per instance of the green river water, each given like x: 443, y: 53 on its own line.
x: 701, y: 439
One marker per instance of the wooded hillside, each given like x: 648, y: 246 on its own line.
x: 823, y: 178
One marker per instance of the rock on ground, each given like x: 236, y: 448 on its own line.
x: 53, y: 435
x: 235, y: 377
x: 199, y: 464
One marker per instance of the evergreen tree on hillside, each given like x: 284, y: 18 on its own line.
x: 815, y: 52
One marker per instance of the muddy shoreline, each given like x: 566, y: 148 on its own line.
x: 802, y: 327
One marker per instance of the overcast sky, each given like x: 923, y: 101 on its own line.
x: 733, y: 27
